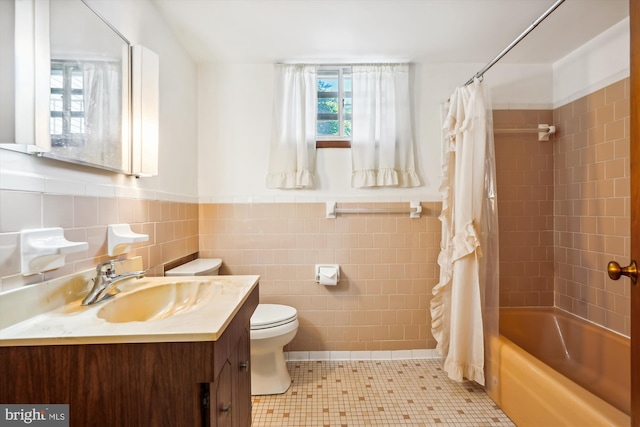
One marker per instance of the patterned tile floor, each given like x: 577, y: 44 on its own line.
x: 376, y: 393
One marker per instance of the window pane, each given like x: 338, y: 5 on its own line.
x: 348, y: 109
x: 328, y: 84
x: 347, y: 127
x: 55, y: 125
x: 327, y: 105
x: 328, y: 127
x: 347, y: 94
x: 76, y: 79
x: 334, y: 102
x: 347, y: 82
x: 77, y: 103
x: 77, y: 125
x: 55, y: 102
x: 57, y: 82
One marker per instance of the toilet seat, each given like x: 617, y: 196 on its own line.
x: 272, y: 315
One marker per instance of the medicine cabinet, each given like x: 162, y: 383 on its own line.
x: 68, y: 91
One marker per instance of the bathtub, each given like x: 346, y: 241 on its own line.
x: 550, y: 368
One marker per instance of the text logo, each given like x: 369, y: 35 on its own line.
x: 34, y: 415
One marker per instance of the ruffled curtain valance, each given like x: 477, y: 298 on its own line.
x: 293, y: 141
x: 382, y: 141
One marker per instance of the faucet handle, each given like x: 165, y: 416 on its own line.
x: 110, y: 271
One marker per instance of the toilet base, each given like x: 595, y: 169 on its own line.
x: 269, y: 374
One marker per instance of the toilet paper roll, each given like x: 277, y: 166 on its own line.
x: 328, y: 276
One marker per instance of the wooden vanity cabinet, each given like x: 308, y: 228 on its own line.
x: 232, y: 389
x: 230, y: 394
x: 200, y: 383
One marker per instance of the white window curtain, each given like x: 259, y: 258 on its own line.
x: 293, y: 141
x: 103, y: 101
x: 103, y: 113
x: 382, y: 142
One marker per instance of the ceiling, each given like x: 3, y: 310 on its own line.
x: 428, y: 31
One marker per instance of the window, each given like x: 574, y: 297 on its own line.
x: 67, y: 122
x: 314, y: 108
x: 333, y: 123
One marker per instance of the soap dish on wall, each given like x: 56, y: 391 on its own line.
x: 44, y: 249
x: 120, y: 237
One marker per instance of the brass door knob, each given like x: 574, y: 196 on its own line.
x: 615, y: 271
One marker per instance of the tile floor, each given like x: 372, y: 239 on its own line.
x: 376, y: 393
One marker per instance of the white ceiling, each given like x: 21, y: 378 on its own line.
x: 430, y: 31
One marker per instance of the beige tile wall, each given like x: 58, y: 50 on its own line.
x: 388, y: 261
x: 564, y: 207
x: 592, y: 205
x: 388, y: 267
x: 524, y: 175
x: 172, y: 228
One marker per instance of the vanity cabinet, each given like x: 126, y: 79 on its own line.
x: 228, y: 399
x: 243, y: 380
x: 195, y: 383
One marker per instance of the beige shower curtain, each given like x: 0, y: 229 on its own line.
x: 464, y: 307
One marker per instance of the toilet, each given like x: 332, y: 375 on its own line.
x: 197, y: 267
x: 272, y: 327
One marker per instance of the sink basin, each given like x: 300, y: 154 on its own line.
x: 159, y: 301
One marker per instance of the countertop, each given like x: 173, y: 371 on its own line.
x: 73, y: 323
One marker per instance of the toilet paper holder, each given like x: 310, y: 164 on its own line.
x: 327, y: 274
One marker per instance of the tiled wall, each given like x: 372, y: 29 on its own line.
x: 564, y: 207
x: 172, y: 228
x: 592, y: 205
x: 556, y: 237
x: 388, y: 267
x: 524, y: 175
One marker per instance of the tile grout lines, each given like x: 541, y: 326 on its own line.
x: 370, y: 393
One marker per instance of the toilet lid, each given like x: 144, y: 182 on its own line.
x: 272, y: 315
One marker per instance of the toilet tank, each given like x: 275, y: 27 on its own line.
x: 197, y: 267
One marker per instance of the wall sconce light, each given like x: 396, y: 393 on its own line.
x: 145, y: 97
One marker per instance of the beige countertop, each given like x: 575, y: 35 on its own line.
x: 72, y: 323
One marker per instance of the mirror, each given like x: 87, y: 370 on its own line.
x: 65, y: 84
x: 89, y: 83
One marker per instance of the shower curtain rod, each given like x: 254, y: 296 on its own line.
x: 506, y: 50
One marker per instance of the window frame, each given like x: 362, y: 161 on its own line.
x: 67, y: 138
x: 334, y: 141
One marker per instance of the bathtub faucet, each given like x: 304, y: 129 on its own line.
x: 105, y: 281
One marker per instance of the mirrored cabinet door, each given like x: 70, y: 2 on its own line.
x: 64, y: 84
x: 89, y: 88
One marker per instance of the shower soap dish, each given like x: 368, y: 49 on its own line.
x: 44, y: 249
x: 120, y: 237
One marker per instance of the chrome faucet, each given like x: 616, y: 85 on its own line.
x: 105, y: 281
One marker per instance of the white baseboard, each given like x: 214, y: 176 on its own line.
x: 292, y: 356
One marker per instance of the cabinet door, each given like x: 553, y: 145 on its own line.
x: 242, y: 386
x: 222, y: 398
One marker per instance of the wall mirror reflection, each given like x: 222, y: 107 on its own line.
x: 89, y: 88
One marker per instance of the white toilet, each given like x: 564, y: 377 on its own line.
x: 272, y: 327
x: 197, y: 267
